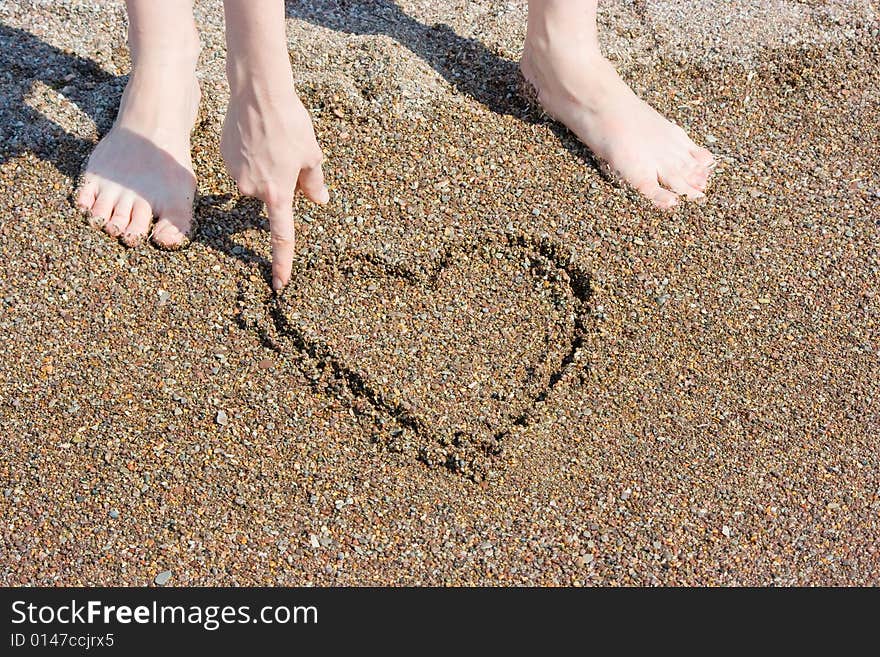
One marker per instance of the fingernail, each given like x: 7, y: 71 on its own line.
x: 324, y: 196
x: 277, y: 284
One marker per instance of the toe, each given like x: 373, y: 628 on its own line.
x: 102, y: 209
x: 675, y: 179
x: 141, y: 215
x: 172, y: 230
x: 120, y: 217
x: 703, y: 157
x: 662, y: 198
x: 86, y: 196
x: 697, y: 176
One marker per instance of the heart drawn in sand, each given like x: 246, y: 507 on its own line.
x: 457, y: 352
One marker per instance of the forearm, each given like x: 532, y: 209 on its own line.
x: 256, y: 43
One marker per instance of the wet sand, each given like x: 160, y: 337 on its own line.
x: 495, y: 365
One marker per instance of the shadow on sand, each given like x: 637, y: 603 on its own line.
x: 465, y: 63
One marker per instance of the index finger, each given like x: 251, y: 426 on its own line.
x: 283, y: 240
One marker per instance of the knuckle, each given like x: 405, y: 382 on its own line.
x: 247, y: 188
x: 274, y: 195
x: 271, y: 195
x: 283, y: 239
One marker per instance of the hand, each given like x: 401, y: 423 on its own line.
x: 270, y: 150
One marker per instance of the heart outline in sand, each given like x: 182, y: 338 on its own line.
x: 390, y: 408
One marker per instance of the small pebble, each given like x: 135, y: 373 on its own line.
x: 162, y: 578
x: 584, y: 560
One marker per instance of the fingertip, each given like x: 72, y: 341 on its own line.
x: 323, y: 196
x: 311, y: 184
x: 281, y: 274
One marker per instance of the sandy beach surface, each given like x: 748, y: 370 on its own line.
x: 495, y: 365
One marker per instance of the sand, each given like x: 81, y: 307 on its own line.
x: 495, y: 365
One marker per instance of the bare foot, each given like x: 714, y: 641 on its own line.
x: 142, y: 168
x: 577, y: 86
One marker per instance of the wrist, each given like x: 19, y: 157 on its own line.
x: 261, y: 74
x: 256, y: 45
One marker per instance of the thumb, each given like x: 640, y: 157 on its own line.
x: 282, y: 232
x: 311, y: 183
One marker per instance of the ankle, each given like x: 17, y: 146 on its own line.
x: 549, y: 42
x: 159, y: 100
x: 563, y: 66
x: 174, y: 50
x: 561, y: 23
